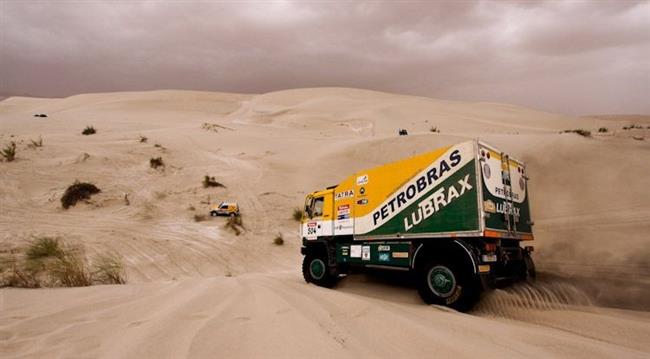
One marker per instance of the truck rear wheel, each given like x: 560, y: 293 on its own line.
x: 315, y: 270
x: 449, y: 284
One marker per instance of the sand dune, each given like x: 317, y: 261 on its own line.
x: 198, y: 290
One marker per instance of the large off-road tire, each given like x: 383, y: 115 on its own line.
x: 448, y: 283
x: 315, y: 270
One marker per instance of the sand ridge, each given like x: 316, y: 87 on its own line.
x: 197, y: 290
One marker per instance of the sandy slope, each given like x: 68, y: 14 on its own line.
x: 198, y: 290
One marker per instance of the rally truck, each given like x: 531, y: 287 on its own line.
x: 454, y: 218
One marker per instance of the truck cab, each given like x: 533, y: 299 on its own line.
x: 318, y: 214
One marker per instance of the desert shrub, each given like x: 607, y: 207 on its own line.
x: 278, y: 240
x: 579, y: 131
x: 44, y: 247
x: 297, y: 214
x: 76, y: 192
x: 36, y: 143
x: 211, y: 182
x: 191, y: 208
x: 89, y: 130
x: 9, y: 152
x: 602, y: 130
x: 108, y: 269
x: 236, y: 224
x: 156, y: 162
x: 200, y: 217
x: 434, y: 129
x: 143, y: 139
x: 632, y: 127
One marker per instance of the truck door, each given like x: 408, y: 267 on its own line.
x: 320, y: 222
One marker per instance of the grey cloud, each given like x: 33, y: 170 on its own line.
x: 557, y: 56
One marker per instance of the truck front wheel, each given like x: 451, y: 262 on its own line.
x: 315, y: 270
x: 448, y: 284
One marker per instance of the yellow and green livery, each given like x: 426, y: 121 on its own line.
x: 460, y: 209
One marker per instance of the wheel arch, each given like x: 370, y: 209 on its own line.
x: 444, y: 248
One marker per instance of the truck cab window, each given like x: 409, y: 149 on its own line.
x: 318, y: 207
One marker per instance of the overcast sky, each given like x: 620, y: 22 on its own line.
x: 571, y: 57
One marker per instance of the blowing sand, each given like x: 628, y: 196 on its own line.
x: 195, y: 289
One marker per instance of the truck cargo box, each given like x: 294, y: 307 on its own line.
x: 470, y: 189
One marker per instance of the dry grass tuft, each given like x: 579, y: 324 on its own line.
x: 76, y: 192
x: 214, y: 127
x: 143, y: 139
x: 9, y: 152
x: 278, y: 240
x: 211, y: 182
x: 44, y: 247
x: 297, y: 214
x: 236, y: 224
x: 70, y: 269
x: 200, y: 218
x: 89, y: 130
x: 579, y: 131
x: 434, y: 129
x: 49, y: 262
x: 36, y: 143
x: 156, y: 162
x: 108, y: 269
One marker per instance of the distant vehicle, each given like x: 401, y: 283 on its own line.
x: 403, y: 132
x: 225, y: 209
x: 453, y: 217
x: 40, y: 115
